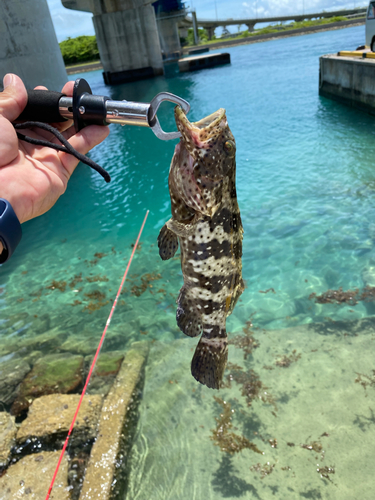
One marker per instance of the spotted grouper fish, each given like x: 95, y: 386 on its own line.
x: 206, y: 222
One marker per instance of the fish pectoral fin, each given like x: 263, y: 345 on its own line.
x: 209, y: 361
x: 188, y: 315
x: 183, y: 229
x: 167, y: 243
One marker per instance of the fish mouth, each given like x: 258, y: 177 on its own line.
x: 201, y: 131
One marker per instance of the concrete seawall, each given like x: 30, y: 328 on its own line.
x: 348, y: 80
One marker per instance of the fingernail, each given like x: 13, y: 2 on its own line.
x: 8, y: 80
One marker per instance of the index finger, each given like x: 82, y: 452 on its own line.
x: 68, y: 89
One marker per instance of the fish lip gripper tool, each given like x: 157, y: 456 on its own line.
x: 88, y: 109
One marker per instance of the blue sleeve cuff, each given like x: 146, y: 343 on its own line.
x: 10, y: 230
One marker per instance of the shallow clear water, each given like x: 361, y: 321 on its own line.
x: 306, y: 189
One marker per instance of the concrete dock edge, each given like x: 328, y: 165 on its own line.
x: 350, y: 80
x: 195, y: 63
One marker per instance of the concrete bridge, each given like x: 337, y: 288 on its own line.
x: 133, y: 39
x: 211, y: 24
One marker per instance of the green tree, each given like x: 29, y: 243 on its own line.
x: 80, y: 49
x: 202, y: 34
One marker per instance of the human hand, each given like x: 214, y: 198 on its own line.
x: 32, y: 178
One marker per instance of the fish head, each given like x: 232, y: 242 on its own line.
x: 210, y: 149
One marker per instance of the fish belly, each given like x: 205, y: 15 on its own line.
x: 211, y: 266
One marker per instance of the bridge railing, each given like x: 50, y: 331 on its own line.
x: 306, y: 12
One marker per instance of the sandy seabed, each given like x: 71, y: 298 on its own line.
x: 319, y: 406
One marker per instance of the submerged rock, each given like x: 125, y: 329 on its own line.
x: 12, y: 372
x: 109, y: 363
x: 55, y: 373
x: 120, y: 338
x: 46, y: 341
x: 33, y: 357
x: 78, y: 345
x: 41, y: 323
x: 8, y: 345
x: 8, y: 432
x: 16, y: 324
x: 22, y: 341
x: 106, y: 369
x: 31, y: 476
x: 50, y: 417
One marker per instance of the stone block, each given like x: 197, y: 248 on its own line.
x: 12, y: 372
x: 55, y: 373
x: 8, y: 432
x: 105, y: 474
x: 106, y: 369
x: 31, y: 476
x: 50, y: 417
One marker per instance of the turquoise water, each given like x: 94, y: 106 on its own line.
x: 306, y: 190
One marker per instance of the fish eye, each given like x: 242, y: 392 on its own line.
x: 229, y: 147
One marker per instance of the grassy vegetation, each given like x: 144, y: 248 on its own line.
x: 79, y: 50
x: 316, y: 22
x: 276, y: 28
x: 83, y: 64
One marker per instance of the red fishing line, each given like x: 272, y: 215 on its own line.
x: 95, y: 358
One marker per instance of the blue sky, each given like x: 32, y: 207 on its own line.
x: 73, y: 23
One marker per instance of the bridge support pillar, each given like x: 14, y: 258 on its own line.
x: 195, y: 27
x: 184, y: 31
x: 210, y: 32
x: 250, y: 27
x: 127, y: 38
x: 26, y: 49
x: 169, y: 35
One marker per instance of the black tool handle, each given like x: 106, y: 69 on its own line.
x: 87, y: 109
x: 42, y: 106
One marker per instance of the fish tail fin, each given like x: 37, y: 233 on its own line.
x: 209, y: 360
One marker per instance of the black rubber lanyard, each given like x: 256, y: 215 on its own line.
x: 66, y: 146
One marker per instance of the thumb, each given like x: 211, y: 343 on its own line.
x: 13, y: 99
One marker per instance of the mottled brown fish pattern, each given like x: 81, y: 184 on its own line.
x: 206, y: 222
